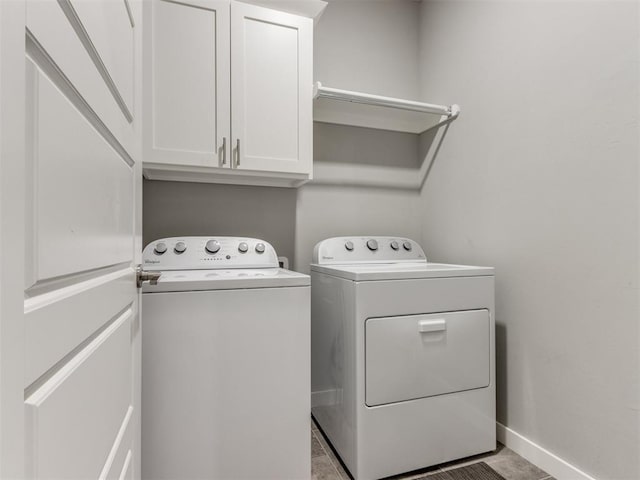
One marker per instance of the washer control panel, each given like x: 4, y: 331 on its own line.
x: 200, y: 253
x: 348, y: 250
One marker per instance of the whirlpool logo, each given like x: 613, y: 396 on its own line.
x: 324, y: 257
x: 151, y: 261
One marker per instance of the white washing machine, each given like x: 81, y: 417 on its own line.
x: 225, y: 362
x: 402, y: 355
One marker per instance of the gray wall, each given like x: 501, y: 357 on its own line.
x: 368, y: 146
x: 326, y: 211
x: 539, y: 177
x: 181, y: 209
x: 370, y: 46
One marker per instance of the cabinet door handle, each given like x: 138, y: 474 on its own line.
x: 224, y: 150
x: 238, y: 152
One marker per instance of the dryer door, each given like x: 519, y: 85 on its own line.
x: 419, y: 356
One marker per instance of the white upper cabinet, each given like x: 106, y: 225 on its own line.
x: 271, y: 95
x: 229, y: 93
x: 186, y: 78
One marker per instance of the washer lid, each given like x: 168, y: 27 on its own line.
x: 401, y: 271
x: 231, y: 279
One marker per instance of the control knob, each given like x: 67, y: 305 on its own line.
x: 260, y: 248
x: 394, y: 245
x: 407, y: 246
x: 348, y: 245
x: 212, y: 246
x: 180, y: 248
x: 243, y: 247
x: 160, y: 248
x: 372, y: 245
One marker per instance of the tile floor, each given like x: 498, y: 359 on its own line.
x: 326, y: 466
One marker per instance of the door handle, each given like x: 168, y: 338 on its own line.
x: 437, y: 325
x: 224, y: 150
x: 144, y: 276
x: 238, y: 152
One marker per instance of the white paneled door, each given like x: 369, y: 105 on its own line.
x: 79, y: 194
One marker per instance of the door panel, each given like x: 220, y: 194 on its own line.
x: 83, y: 189
x: 54, y: 37
x: 127, y: 472
x: 74, y: 418
x: 120, y: 456
x: 109, y: 27
x: 57, y: 322
x: 272, y: 89
x: 187, y: 55
x: 81, y: 375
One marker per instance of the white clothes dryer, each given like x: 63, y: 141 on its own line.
x: 402, y: 355
x: 225, y: 362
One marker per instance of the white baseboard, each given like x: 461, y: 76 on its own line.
x: 547, y: 461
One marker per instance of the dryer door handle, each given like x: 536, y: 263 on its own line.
x: 436, y: 325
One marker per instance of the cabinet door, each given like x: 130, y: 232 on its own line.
x: 271, y: 90
x: 186, y: 78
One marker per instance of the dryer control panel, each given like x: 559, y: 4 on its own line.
x: 354, y: 250
x: 200, y: 253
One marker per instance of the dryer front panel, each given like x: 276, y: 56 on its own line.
x: 418, y: 356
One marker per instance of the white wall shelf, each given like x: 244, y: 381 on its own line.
x: 344, y: 107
